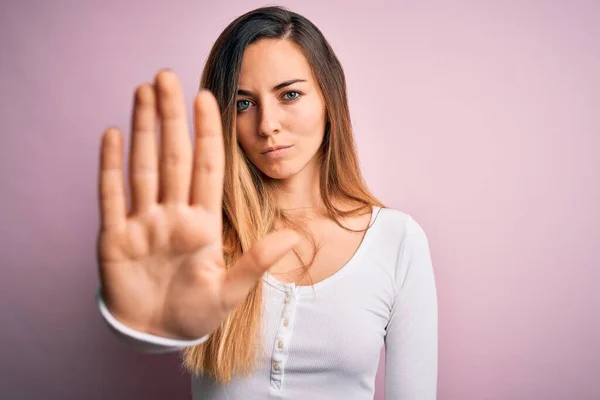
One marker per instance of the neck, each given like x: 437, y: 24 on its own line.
x: 300, y: 194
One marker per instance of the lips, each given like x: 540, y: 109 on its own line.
x: 270, y: 149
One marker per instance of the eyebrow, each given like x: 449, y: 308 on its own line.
x: 275, y: 88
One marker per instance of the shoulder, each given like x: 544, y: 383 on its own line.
x: 398, y: 225
x: 411, y: 247
x: 395, y: 243
x: 396, y: 236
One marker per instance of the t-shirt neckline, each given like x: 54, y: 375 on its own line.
x: 291, y: 287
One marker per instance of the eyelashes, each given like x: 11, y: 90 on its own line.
x: 290, y: 92
x: 289, y: 97
x: 243, y: 105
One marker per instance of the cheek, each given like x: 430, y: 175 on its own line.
x: 245, y: 136
x: 309, y: 120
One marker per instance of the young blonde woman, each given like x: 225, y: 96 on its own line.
x: 257, y: 250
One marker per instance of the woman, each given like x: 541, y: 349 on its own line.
x: 261, y: 254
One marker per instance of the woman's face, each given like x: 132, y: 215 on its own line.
x: 279, y: 103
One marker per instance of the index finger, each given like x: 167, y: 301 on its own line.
x: 209, y: 154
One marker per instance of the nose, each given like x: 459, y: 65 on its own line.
x: 269, y: 123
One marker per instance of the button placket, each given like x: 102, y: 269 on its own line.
x: 282, y: 338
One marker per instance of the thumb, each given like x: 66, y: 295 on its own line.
x: 242, y: 277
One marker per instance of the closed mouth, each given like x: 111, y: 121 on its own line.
x: 275, y: 148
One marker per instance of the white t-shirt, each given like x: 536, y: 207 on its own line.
x: 326, y: 345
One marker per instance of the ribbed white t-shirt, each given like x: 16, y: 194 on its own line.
x: 325, y: 345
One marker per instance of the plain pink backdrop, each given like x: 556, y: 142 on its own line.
x: 480, y: 119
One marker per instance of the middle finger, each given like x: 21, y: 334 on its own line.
x: 176, y: 148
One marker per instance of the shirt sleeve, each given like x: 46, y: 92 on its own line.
x: 411, y: 341
x: 142, y: 341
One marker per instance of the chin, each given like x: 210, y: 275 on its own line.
x: 279, y: 175
x: 279, y: 172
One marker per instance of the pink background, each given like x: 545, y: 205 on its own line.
x: 481, y: 119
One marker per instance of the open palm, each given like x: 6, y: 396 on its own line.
x: 161, y: 262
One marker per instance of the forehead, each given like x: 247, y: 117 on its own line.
x: 271, y: 61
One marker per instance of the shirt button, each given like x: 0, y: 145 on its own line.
x: 285, y: 322
x: 280, y: 344
x: 276, y: 367
x: 287, y: 299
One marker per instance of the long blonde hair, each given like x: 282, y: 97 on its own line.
x: 249, y: 208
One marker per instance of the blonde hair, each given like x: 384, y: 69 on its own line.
x: 249, y: 208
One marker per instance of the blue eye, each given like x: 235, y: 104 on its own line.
x: 243, y: 105
x: 292, y: 95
